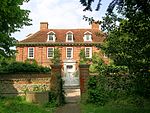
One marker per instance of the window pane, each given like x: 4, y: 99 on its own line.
x: 87, y: 37
x: 30, y: 53
x: 69, y: 52
x: 51, y: 37
x: 50, y: 52
x: 69, y: 36
x: 69, y: 66
x: 87, y: 52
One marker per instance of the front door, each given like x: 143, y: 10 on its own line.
x: 71, y: 75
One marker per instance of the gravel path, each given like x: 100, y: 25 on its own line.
x: 72, y: 99
x: 69, y: 108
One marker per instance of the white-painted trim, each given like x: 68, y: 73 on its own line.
x: 87, y: 32
x: 71, y: 53
x: 47, y: 52
x: 69, y: 32
x: 28, y: 53
x: 90, y: 52
x: 51, y: 32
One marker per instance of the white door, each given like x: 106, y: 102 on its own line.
x: 71, y: 77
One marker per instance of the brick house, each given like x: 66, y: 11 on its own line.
x: 40, y: 46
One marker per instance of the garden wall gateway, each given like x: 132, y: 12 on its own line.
x: 19, y: 84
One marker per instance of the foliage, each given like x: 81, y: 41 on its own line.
x: 31, y: 61
x: 113, y: 82
x: 5, y: 61
x: 56, y: 59
x: 128, y: 44
x: 95, y: 60
x: 18, y: 105
x: 83, y: 59
x: 87, y: 4
x: 35, y: 88
x: 114, y: 108
x: 20, y: 67
x: 131, y: 48
x: 57, y: 91
x: 122, y: 6
x: 109, y: 22
x: 12, y: 18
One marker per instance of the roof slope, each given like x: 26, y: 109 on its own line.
x: 78, y: 34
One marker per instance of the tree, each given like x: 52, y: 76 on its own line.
x: 12, y: 17
x: 129, y: 43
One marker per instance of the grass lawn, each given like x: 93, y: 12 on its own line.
x: 89, y: 108
x: 18, y: 105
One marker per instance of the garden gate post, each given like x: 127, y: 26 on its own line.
x: 84, y: 73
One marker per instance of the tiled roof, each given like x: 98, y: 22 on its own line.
x: 78, y: 34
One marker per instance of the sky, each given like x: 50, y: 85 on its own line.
x: 60, y: 14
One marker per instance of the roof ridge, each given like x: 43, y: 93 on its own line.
x: 70, y: 28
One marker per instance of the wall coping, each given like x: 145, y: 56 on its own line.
x: 84, y: 65
x: 56, y: 66
x: 25, y: 75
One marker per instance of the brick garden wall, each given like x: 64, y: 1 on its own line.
x: 17, y: 84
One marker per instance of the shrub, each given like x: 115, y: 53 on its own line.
x: 20, y: 67
x: 112, y: 83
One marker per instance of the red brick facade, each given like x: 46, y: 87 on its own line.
x: 40, y: 54
x: 40, y: 44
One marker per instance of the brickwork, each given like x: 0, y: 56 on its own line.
x: 40, y: 54
x: 84, y: 73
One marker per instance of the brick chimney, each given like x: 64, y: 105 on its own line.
x: 95, y: 25
x: 43, y: 25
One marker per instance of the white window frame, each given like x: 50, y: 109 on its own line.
x: 53, y: 52
x: 67, y: 53
x: 29, y: 57
x: 52, y: 34
x: 67, y: 34
x: 87, y: 33
x: 90, y: 52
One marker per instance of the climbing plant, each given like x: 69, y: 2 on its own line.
x: 57, y: 55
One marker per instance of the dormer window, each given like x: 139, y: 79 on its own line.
x: 51, y: 36
x: 87, y: 36
x: 69, y: 36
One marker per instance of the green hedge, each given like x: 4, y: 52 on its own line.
x: 112, y: 83
x: 20, y: 67
x: 116, y: 84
